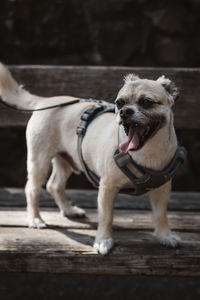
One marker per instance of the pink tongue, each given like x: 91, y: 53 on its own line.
x: 131, y: 143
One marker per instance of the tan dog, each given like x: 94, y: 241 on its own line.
x: 141, y: 105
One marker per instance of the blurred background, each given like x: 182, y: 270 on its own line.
x: 157, y: 33
x: 96, y: 32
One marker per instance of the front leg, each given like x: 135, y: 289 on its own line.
x: 159, y: 198
x: 106, y: 196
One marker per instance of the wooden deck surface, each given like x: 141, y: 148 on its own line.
x: 66, y: 245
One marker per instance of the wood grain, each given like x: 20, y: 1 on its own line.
x: 103, y: 83
x: 123, y: 219
x: 70, y: 251
x: 179, y: 201
x: 66, y: 245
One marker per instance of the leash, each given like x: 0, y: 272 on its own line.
x: 14, y: 107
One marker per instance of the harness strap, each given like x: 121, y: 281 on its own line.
x: 91, y: 176
x: 87, y: 117
x: 148, y: 179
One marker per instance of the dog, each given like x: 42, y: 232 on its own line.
x: 51, y: 139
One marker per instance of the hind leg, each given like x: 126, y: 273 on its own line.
x: 56, y: 187
x: 37, y: 168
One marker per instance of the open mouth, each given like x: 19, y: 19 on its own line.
x: 137, y: 135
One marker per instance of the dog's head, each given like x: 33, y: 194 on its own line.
x: 143, y: 107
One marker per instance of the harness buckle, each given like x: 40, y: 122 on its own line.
x: 80, y: 130
x: 121, y: 159
x: 182, y: 153
x: 85, y: 116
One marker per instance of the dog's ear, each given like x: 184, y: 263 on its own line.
x: 170, y: 88
x: 131, y: 77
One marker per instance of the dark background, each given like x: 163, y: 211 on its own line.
x: 96, y: 32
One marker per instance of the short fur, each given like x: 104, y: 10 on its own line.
x: 52, y: 132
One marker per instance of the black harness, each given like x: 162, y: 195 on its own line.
x: 87, y: 117
x: 147, y: 179
x: 143, y: 179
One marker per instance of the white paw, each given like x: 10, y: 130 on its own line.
x: 36, y: 223
x: 103, y: 246
x: 169, y: 240
x: 74, y: 212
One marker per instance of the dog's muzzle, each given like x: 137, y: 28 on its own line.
x: 138, y: 129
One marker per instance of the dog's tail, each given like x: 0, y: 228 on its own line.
x: 14, y: 94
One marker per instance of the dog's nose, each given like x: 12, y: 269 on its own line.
x: 126, y: 112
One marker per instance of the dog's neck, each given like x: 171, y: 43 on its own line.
x: 158, y: 150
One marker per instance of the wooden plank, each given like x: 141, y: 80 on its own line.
x: 179, y: 201
x: 27, y: 240
x: 70, y: 251
x: 123, y: 219
x: 66, y: 245
x: 104, y: 83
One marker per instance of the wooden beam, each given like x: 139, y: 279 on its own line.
x: 179, y: 201
x: 123, y: 219
x: 104, y: 83
x: 66, y: 245
x: 69, y: 250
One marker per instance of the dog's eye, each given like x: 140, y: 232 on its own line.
x: 120, y: 103
x: 146, y: 102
